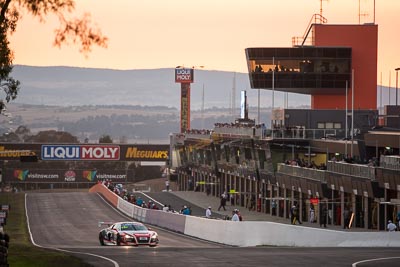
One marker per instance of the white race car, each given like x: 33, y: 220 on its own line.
x: 127, y: 234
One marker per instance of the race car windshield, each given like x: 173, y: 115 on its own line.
x: 140, y: 227
x: 132, y: 227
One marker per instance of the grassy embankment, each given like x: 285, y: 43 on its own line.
x: 21, y: 252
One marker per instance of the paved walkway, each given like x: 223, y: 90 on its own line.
x: 203, y: 201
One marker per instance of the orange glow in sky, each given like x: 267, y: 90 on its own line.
x: 214, y: 33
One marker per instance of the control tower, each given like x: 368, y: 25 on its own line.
x: 335, y: 64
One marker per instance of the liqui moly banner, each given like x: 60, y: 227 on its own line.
x: 184, y: 75
x: 80, y: 152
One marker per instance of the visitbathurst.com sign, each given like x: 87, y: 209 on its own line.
x: 24, y: 175
x: 111, y: 176
x: 94, y: 175
x: 72, y: 175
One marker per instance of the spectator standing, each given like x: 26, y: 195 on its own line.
x: 186, y: 211
x: 391, y: 227
x: 208, y: 212
x: 338, y: 215
x: 346, y: 217
x: 295, y: 214
x: 252, y: 203
x: 190, y: 184
x: 167, y: 185
x: 273, y: 206
x: 235, y: 216
x: 208, y: 189
x: 311, y: 219
x: 182, y: 209
x: 139, y: 201
x: 324, y: 213
x: 222, y: 201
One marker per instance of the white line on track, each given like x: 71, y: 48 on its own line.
x: 370, y: 260
x: 152, y: 199
x: 63, y: 250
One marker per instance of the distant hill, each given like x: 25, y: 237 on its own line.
x: 71, y: 86
x: 136, y: 105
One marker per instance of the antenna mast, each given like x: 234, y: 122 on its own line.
x: 320, y: 6
x: 234, y: 95
x: 202, y: 109
x: 363, y: 14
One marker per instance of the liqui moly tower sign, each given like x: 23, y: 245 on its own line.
x: 185, y: 77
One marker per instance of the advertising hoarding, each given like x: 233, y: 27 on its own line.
x: 184, y: 75
x: 62, y: 175
x: 78, y: 152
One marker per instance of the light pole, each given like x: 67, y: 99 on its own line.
x: 397, y: 76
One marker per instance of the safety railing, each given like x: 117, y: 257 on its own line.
x: 315, y: 19
x: 309, y: 173
x: 357, y: 170
x: 302, y: 133
x: 390, y: 162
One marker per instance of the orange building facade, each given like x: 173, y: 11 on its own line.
x: 363, y: 40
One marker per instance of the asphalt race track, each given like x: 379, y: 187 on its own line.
x: 69, y: 222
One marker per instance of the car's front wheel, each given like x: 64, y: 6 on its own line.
x: 118, y: 240
x: 101, y: 239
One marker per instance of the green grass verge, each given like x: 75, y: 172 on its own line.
x: 21, y: 251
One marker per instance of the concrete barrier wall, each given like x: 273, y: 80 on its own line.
x: 172, y: 221
x: 125, y: 207
x: 250, y: 233
x: 106, y: 193
x: 167, y: 220
x: 254, y: 233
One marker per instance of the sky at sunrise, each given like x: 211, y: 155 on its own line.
x: 214, y: 33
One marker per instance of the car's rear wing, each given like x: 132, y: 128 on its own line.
x: 105, y: 223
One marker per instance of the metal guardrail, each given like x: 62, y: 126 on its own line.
x: 314, y: 174
x: 291, y: 133
x: 301, y: 133
x: 198, y: 135
x: 357, y: 170
x: 390, y: 162
x: 244, y: 131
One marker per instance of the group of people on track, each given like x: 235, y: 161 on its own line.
x: 236, y: 216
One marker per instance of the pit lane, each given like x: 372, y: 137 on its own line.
x: 69, y: 221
